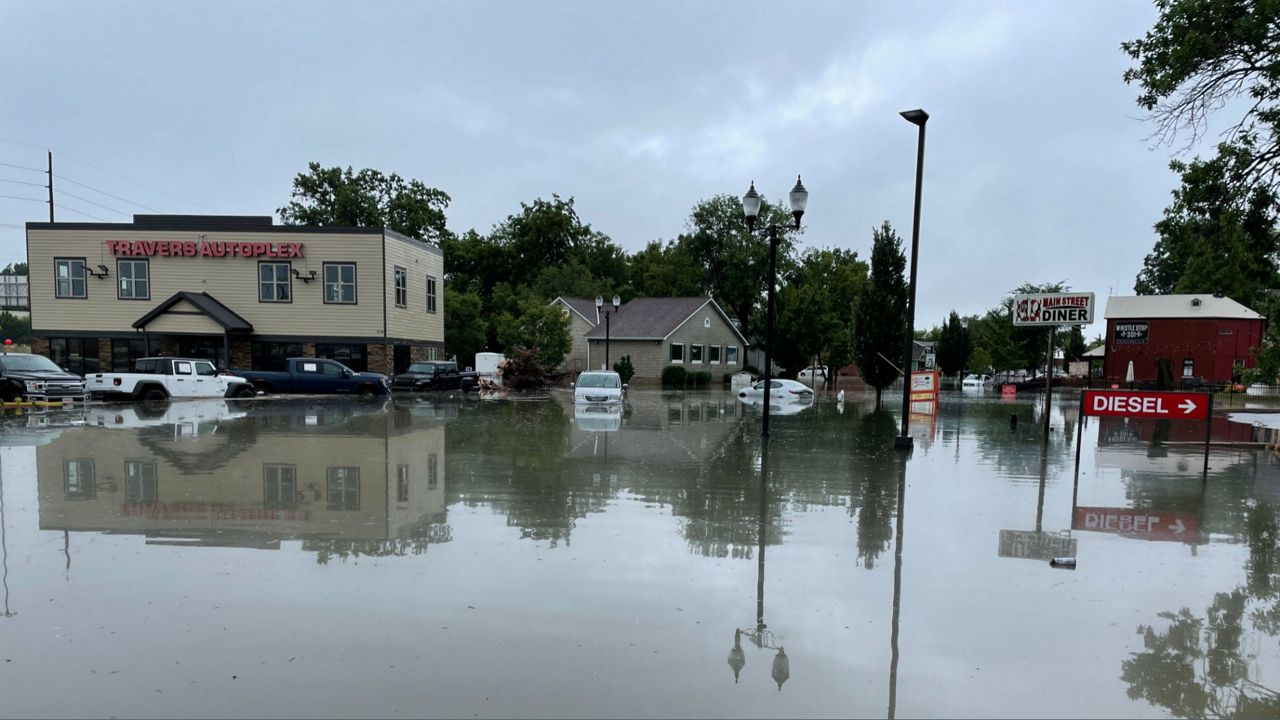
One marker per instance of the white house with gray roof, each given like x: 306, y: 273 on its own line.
x: 692, y: 332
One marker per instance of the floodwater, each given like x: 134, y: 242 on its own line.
x: 446, y: 557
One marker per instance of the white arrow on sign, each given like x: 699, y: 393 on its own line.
x: 1177, y: 526
x: 1187, y: 406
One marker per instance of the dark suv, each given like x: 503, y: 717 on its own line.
x: 434, y: 375
x: 37, y: 378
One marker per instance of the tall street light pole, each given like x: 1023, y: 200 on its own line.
x: 600, y: 308
x: 917, y: 118
x: 799, y: 198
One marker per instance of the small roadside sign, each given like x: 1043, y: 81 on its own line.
x: 1053, y: 309
x: 1008, y: 391
x: 1146, y: 404
x: 1142, y: 524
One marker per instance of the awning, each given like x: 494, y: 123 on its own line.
x: 191, y: 304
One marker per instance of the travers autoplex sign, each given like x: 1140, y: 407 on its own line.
x: 203, y: 248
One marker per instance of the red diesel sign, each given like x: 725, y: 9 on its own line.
x: 1147, y: 404
x: 204, y: 248
x: 1143, y: 524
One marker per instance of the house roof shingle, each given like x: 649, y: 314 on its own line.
x: 654, y: 318
x: 586, y: 307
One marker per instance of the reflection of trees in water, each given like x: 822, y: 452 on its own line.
x: 1223, y: 503
x: 874, y: 497
x: 1015, y: 450
x: 1199, y: 667
x: 327, y: 550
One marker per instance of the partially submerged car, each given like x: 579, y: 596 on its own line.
x: 599, y: 386
x: 779, y: 390
x: 427, y: 375
x: 160, y: 378
x: 36, y: 378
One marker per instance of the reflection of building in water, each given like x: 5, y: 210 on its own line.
x: 342, y: 477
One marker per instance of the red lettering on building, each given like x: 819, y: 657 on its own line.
x: 182, y: 248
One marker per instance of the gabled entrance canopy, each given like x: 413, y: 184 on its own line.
x: 182, y: 313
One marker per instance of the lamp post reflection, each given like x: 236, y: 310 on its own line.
x: 760, y: 635
x: 4, y: 548
x: 897, y: 588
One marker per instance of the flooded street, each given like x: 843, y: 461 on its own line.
x: 448, y: 557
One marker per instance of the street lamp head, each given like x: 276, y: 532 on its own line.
x: 751, y: 206
x: 799, y: 200
x: 616, y: 301
x: 599, y: 302
x: 915, y: 117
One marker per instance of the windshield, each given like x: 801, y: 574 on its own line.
x: 30, y: 363
x: 423, y: 367
x: 599, y: 380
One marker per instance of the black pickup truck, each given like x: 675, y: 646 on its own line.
x: 316, y: 376
x: 434, y: 375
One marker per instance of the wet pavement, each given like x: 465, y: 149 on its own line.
x: 445, y: 557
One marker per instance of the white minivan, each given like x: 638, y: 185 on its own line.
x: 599, y: 387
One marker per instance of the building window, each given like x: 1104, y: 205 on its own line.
x: 279, y: 487
x: 677, y: 353
x: 79, y: 479
x: 273, y: 356
x: 1188, y: 368
x: 713, y: 355
x: 133, y: 279
x: 706, y: 322
x: 433, y: 471
x: 204, y: 348
x: 125, y: 352
x: 731, y: 355
x: 340, y: 283
x: 78, y: 355
x: 140, y: 481
x: 353, y: 356
x: 695, y: 353
x: 402, y: 287
x: 431, y: 294
x: 275, y: 282
x: 402, y: 483
x: 69, y: 278
x: 344, y: 488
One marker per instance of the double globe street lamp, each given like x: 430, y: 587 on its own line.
x: 602, y: 310
x: 751, y: 208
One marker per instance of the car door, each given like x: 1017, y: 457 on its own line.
x: 208, y: 382
x: 308, y: 376
x: 182, y: 383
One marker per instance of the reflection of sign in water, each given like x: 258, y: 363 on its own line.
x: 1120, y: 434
x: 1131, y: 333
x: 1053, y: 309
x: 1143, y: 524
x: 208, y: 511
x: 1147, y: 403
x: 1032, y: 545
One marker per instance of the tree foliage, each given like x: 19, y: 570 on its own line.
x: 1202, y: 56
x: 955, y: 345
x: 979, y: 360
x: 529, y: 323
x: 815, y: 309
x: 17, y: 329
x: 465, y: 329
x: 334, y: 196
x: 19, y: 268
x: 1216, y: 237
x: 882, y: 312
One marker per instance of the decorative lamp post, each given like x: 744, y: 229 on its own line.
x: 751, y: 208
x: 600, y: 308
x: 917, y: 118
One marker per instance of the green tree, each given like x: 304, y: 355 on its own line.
x: 1072, y: 344
x: 466, y: 331
x: 334, y: 196
x: 880, y: 320
x: 529, y: 323
x: 17, y: 329
x: 735, y: 262
x: 815, y: 309
x: 955, y: 345
x: 1216, y: 237
x: 666, y: 271
x: 625, y: 369
x: 979, y: 360
x: 1206, y: 55
x: 14, y: 269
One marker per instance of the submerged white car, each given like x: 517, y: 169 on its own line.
x: 599, y: 386
x: 779, y: 391
x: 976, y: 381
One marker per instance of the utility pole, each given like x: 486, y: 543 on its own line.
x: 50, y: 186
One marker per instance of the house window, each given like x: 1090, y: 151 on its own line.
x: 344, y: 488
x: 79, y: 479
x: 273, y: 355
x: 713, y: 355
x: 731, y: 355
x: 340, y: 283
x: 125, y: 352
x: 69, y: 278
x: 275, y: 282
x: 695, y: 353
x: 134, y: 279
x: 79, y: 355
x: 706, y: 322
x: 677, y: 352
x: 433, y: 470
x: 402, y: 287
x: 1188, y: 368
x: 353, y: 356
x: 431, y: 294
x: 279, y: 487
x: 140, y: 481
x: 402, y: 483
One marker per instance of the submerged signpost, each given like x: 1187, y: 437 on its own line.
x: 1051, y: 310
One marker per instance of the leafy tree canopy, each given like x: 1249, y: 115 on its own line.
x: 815, y: 309
x: 14, y: 269
x: 955, y: 345
x: 882, y: 311
x: 334, y: 196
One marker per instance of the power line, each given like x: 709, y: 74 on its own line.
x: 22, y: 167
x: 15, y: 197
x: 104, y: 192
x: 23, y: 182
x: 130, y: 180
x: 104, y: 207
x: 63, y: 206
x: 10, y: 225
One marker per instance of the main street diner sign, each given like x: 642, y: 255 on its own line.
x: 203, y: 248
x: 1053, y: 309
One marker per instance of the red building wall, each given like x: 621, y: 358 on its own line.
x: 1214, y: 345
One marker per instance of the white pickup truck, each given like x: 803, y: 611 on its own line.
x: 167, y: 377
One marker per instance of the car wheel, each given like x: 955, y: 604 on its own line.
x: 365, y: 392
x: 9, y: 394
x: 265, y: 389
x: 245, y: 392
x: 154, y: 395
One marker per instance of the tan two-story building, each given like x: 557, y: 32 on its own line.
x: 238, y: 290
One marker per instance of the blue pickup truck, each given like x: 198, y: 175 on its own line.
x: 317, y: 376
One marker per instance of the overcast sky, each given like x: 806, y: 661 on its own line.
x: 1037, y: 167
